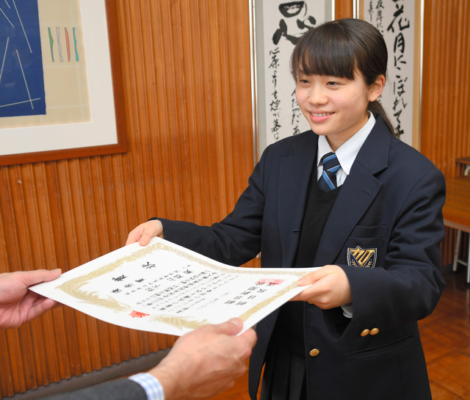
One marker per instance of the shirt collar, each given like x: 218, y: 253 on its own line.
x: 348, y: 151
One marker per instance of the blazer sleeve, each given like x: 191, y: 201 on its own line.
x: 409, y: 284
x: 237, y: 238
x: 121, y: 389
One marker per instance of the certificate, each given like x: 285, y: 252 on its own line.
x: 168, y: 289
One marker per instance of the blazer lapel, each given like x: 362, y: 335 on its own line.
x: 357, y: 193
x: 294, y: 176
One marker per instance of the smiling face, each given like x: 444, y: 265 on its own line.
x: 339, y: 67
x: 336, y: 107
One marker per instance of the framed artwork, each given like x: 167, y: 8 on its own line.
x: 277, y: 26
x: 401, y: 24
x: 60, y: 80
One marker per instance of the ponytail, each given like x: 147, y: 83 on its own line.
x: 376, y: 108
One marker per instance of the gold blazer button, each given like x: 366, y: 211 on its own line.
x: 374, y: 331
x: 365, y: 332
x: 314, y: 352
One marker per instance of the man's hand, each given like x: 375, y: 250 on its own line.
x: 144, y: 232
x: 19, y: 305
x: 329, y: 287
x: 206, y: 361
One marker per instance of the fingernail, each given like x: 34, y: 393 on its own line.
x: 57, y: 269
x: 236, y: 321
x: 301, y: 281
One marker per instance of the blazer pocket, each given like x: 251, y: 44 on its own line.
x: 364, y: 246
x: 368, y: 232
x: 393, y: 345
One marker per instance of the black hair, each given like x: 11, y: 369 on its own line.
x: 337, y: 48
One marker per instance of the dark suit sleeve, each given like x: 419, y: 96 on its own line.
x: 121, y: 389
x: 409, y: 284
x: 237, y: 238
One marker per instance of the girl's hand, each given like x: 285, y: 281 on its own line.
x: 329, y: 288
x: 144, y: 232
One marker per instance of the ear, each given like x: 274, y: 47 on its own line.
x: 376, y: 89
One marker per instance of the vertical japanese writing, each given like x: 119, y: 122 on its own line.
x: 275, y: 105
x: 393, y: 19
x: 398, y: 24
x: 284, y: 23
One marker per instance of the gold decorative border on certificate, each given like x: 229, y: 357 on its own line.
x: 264, y: 303
x: 179, y: 322
x: 74, y: 286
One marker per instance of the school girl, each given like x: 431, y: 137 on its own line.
x: 350, y: 197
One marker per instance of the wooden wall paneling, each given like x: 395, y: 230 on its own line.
x: 16, y: 361
x: 204, y: 106
x: 240, y: 84
x: 39, y: 366
x: 5, y: 376
x: 6, y: 379
x: 446, y: 82
x: 160, y: 131
x: 195, y: 46
x: 225, y: 93
x: 142, y: 200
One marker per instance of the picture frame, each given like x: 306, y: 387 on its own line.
x: 105, y: 133
x: 404, y: 70
x: 276, y: 24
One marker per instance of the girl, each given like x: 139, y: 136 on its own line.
x: 352, y: 198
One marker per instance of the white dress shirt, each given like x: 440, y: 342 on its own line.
x: 346, y: 153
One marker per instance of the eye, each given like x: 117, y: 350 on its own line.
x: 303, y: 82
x: 332, y: 83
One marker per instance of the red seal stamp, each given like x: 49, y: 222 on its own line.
x: 137, y: 314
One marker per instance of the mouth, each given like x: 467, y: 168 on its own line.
x: 325, y: 114
x: 320, y: 117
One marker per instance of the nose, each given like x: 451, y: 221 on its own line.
x: 317, y: 95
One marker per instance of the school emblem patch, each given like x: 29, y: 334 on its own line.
x: 362, y: 257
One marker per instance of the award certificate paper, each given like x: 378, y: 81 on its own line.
x: 168, y: 289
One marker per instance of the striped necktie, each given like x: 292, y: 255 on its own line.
x: 331, y: 166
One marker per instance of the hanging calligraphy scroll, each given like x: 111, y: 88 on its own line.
x: 278, y: 26
x: 400, y: 22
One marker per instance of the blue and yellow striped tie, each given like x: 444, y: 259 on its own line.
x: 331, y: 166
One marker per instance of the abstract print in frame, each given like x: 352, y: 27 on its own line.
x: 44, y: 70
x: 22, y: 90
x: 56, y: 87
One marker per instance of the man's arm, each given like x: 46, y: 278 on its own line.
x: 206, y: 361
x: 202, y: 364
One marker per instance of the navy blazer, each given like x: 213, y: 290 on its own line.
x: 391, y: 204
x: 120, y: 389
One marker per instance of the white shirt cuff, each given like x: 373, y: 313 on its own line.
x: 151, y: 385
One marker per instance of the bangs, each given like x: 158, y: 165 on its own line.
x: 326, y: 50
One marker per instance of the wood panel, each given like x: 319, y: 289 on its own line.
x: 344, y: 9
x: 187, y: 95
x: 445, y: 132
